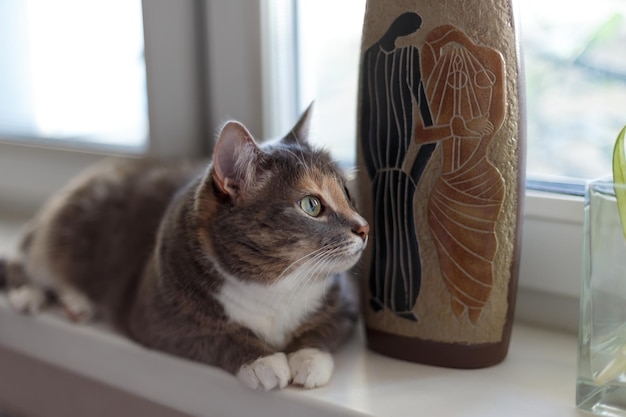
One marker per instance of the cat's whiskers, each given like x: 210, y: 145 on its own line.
x: 293, y: 265
x: 326, y: 280
x: 304, y: 276
x: 318, y: 268
x: 303, y: 272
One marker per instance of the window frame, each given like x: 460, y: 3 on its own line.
x: 552, y: 243
x: 31, y: 170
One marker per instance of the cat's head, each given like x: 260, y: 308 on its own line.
x: 279, y: 209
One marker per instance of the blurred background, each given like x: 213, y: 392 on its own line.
x: 75, y: 75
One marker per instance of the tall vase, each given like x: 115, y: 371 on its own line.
x: 441, y: 146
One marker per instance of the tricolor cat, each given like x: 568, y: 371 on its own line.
x: 241, y: 264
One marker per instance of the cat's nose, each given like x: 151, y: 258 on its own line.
x: 362, y: 230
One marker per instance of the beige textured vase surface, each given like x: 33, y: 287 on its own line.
x: 441, y: 150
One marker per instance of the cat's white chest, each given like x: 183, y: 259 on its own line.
x: 273, y: 311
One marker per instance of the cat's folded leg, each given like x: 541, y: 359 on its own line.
x: 241, y: 353
x: 311, y: 367
x: 77, y: 306
x: 310, y: 360
x: 267, y: 373
x: 27, y: 298
x: 23, y: 296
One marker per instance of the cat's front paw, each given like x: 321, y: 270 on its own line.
x: 27, y: 299
x: 267, y: 373
x: 77, y: 306
x: 311, y: 367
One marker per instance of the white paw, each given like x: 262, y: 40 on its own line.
x: 311, y: 367
x: 27, y: 299
x: 267, y: 373
x: 76, y: 305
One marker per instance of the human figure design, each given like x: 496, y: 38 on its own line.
x: 464, y: 84
x: 392, y: 91
x: 453, y: 97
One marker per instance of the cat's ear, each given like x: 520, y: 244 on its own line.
x: 300, y: 132
x: 235, y: 159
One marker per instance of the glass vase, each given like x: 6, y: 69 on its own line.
x: 601, y: 382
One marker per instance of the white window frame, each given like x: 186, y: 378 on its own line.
x: 231, y: 72
x: 552, y: 248
x: 29, y: 173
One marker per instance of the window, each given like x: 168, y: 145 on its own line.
x: 329, y: 46
x: 158, y: 110
x: 575, y: 80
x: 576, y: 87
x: 73, y: 72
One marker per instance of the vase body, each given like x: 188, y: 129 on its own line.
x: 441, y: 152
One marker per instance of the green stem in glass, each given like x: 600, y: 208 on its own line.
x: 619, y: 176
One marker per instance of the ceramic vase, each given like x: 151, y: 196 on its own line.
x: 441, y: 179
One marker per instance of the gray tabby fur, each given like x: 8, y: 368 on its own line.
x: 217, y: 264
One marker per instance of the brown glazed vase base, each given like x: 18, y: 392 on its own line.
x: 427, y: 352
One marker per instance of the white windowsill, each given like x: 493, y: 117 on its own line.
x: 536, y: 379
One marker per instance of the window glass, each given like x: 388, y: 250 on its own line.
x: 73, y: 71
x: 329, y: 44
x: 575, y: 59
x: 575, y: 56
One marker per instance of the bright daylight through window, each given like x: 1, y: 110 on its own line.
x: 72, y: 72
x: 575, y: 80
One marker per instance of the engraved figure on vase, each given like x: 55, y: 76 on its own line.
x: 451, y: 96
x: 391, y: 87
x: 464, y: 84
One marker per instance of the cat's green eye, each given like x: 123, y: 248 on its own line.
x: 311, y: 205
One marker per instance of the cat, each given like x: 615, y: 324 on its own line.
x: 241, y: 264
